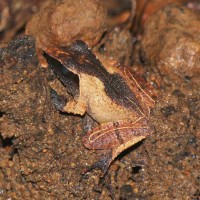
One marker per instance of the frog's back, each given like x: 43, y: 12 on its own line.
x: 119, y: 87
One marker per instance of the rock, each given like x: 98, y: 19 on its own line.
x: 171, y: 42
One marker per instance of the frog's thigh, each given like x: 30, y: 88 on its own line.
x: 121, y: 135
x: 76, y: 107
x: 117, y: 150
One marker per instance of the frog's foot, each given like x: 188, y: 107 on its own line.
x: 71, y: 106
x: 103, y: 164
x: 59, y: 101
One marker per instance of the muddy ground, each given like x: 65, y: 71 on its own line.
x: 41, y: 152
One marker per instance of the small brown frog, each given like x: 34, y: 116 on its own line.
x: 110, y: 95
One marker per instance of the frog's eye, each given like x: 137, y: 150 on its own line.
x: 68, y: 78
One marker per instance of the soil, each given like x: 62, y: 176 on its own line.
x: 41, y: 151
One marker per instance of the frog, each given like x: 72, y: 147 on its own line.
x: 109, y: 94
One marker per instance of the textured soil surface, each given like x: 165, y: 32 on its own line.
x: 41, y: 152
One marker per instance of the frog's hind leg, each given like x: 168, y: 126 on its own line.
x: 118, y: 134
x: 104, y: 162
x: 115, y: 137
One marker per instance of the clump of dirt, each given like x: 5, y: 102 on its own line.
x: 59, y: 23
x: 41, y: 136
x: 176, y: 55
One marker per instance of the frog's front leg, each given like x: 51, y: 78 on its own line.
x: 116, y: 137
x: 75, y: 107
x: 71, y: 106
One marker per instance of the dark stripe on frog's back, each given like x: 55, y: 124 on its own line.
x: 79, y: 58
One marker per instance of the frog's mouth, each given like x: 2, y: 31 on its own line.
x: 68, y: 78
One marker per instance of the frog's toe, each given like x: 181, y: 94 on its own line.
x: 103, y: 164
